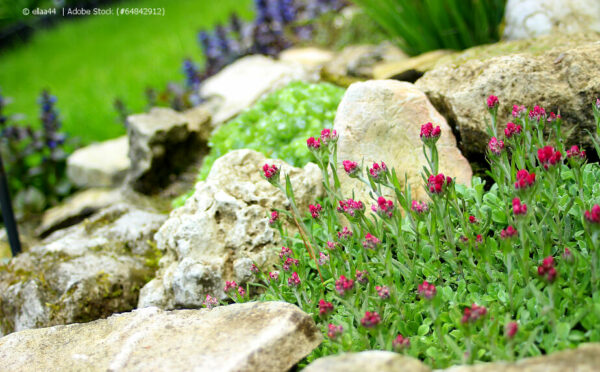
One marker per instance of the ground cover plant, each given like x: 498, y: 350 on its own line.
x: 420, y: 26
x: 469, y: 275
x: 277, y: 125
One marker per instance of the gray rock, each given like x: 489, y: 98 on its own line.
x: 162, y: 143
x: 530, y: 18
x: 243, y: 82
x: 367, y: 361
x: 222, y: 229
x: 271, y: 336
x: 103, y: 164
x: 81, y: 273
x: 565, y: 79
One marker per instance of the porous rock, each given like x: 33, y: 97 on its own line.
x: 223, y: 228
x: 367, y: 361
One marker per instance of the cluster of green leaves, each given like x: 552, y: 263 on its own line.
x: 457, y: 245
x: 277, y: 125
x: 421, y: 26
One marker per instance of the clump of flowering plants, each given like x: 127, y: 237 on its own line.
x: 467, y: 275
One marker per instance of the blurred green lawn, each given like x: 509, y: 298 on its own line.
x: 90, y: 61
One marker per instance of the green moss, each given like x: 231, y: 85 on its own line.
x: 152, y: 256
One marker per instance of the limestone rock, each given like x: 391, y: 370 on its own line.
x: 243, y: 82
x: 103, y: 164
x: 162, y: 143
x: 380, y: 120
x: 81, y: 273
x: 311, y: 58
x: 530, y: 18
x: 367, y: 361
x: 564, y: 79
x: 409, y: 69
x: 222, y: 229
x: 271, y: 336
x: 356, y: 62
x: 585, y: 358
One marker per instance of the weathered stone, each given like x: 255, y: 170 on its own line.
x: 312, y: 59
x: 243, y: 82
x: 409, y: 69
x: 103, y: 164
x: 222, y: 228
x: 162, y: 143
x: 356, y: 62
x: 81, y: 273
x: 380, y: 120
x: 367, y: 361
x: 270, y: 336
x: 585, y: 358
x: 564, y: 79
x: 525, y: 19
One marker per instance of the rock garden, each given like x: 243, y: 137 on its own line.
x: 390, y: 185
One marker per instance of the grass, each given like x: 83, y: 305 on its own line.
x: 89, y: 62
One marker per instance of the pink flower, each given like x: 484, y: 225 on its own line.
x: 473, y: 313
x: 270, y: 171
x: 547, y: 270
x: 574, y: 153
x: 351, y: 167
x: 362, y: 276
x: 472, y: 219
x: 343, y: 285
x: 383, y: 207
x: 567, y: 255
x: 371, y: 242
x: 518, y: 207
x: 313, y: 143
x: 524, y: 179
x: 351, y: 207
x: 512, y: 129
x: 230, y: 285
x: 538, y: 113
x: 478, y: 240
x: 401, y: 343
x: 241, y: 291
x: 334, y: 331
x: 289, y: 262
x: 593, y: 215
x: 285, y: 252
x: 548, y: 156
x: 378, y: 171
x: 370, y: 320
x: 294, y: 280
x: 598, y: 103
x: 254, y: 269
x: 495, y: 146
x: 511, y: 330
x: 553, y: 117
x: 329, y: 136
x: 518, y: 110
x: 426, y: 290
x: 210, y: 301
x: 274, y: 217
x: 345, y: 234
x: 419, y: 207
x: 429, y: 134
x: 325, y: 307
x: 314, y: 210
x: 383, y: 292
x: 274, y: 275
x: 492, y: 102
x: 437, y: 183
x: 331, y: 245
x: 323, y: 258
x: 509, y: 232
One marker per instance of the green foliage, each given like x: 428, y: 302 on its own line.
x: 424, y: 25
x: 462, y: 244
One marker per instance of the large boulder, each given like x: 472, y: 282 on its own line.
x: 81, y: 273
x: 565, y: 79
x: 222, y: 229
x: 270, y: 336
x: 530, y: 18
x: 103, y: 164
x: 380, y: 120
x: 162, y: 144
x: 367, y: 361
x: 239, y: 85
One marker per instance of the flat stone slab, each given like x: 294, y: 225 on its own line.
x: 103, y: 164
